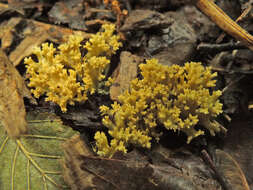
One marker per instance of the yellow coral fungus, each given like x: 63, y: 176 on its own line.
x: 175, y: 97
x: 66, y: 77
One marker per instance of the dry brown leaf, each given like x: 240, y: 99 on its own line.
x: 110, y: 174
x: 56, y: 34
x: 25, y: 48
x: 6, y: 34
x: 145, y: 19
x: 35, y: 33
x: 239, y: 143
x: 126, y: 71
x: 74, y: 176
x: 7, y: 39
x: 7, y: 8
x: 12, y: 109
x: 169, y: 170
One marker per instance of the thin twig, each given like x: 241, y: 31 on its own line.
x: 232, y: 83
x: 217, y: 48
x: 207, y: 159
x: 219, y: 17
x: 241, y: 17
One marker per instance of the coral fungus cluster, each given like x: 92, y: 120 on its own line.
x: 175, y: 97
x: 63, y: 75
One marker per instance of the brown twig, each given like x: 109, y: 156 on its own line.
x: 207, y: 159
x: 217, y: 48
x: 243, y: 15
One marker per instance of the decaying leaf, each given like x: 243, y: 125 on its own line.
x: 125, y: 174
x: 32, y: 162
x: 145, y: 19
x: 26, y: 47
x: 12, y: 109
x: 69, y: 12
x: 35, y: 33
x: 168, y: 170
x: 239, y: 144
x: 231, y: 171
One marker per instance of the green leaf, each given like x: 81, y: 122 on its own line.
x: 33, y: 161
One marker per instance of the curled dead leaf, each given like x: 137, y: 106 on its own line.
x: 12, y: 109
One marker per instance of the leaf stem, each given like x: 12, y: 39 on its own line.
x: 28, y: 174
x: 45, y: 137
x: 44, y: 155
x: 3, y: 144
x: 13, y: 167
